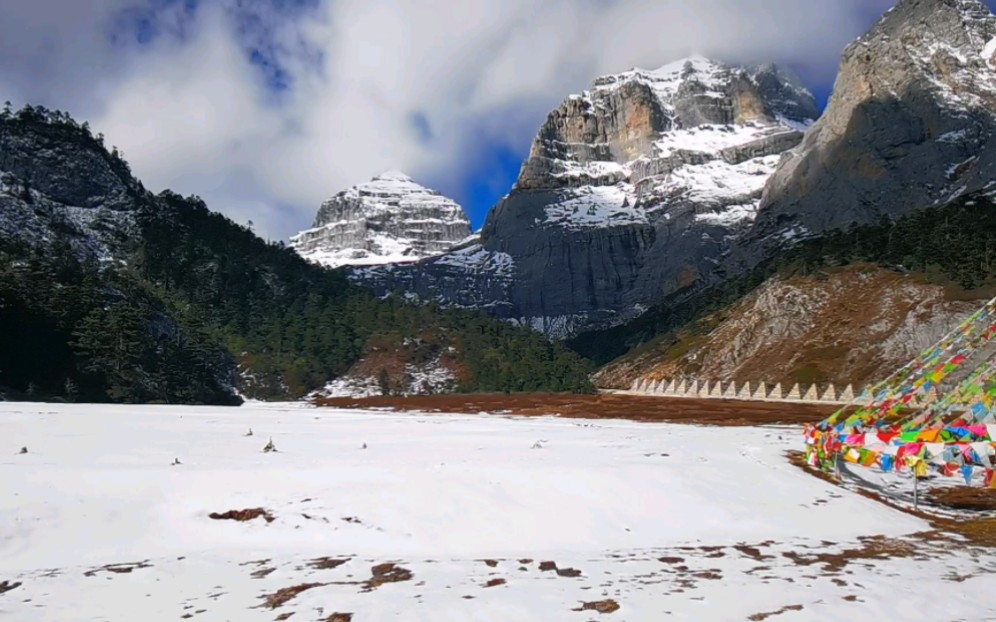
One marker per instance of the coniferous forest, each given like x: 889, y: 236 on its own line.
x: 192, y: 305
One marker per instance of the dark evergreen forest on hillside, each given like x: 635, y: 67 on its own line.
x: 193, y: 305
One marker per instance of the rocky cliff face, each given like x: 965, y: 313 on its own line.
x: 909, y: 125
x: 853, y: 325
x: 389, y: 219
x: 632, y: 189
x: 58, y: 181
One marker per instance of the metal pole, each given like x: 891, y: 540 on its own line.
x: 916, y: 492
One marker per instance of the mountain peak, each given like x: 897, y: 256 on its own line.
x: 907, y: 125
x: 392, y: 175
x: 941, y: 17
x: 389, y: 219
x: 690, y: 64
x: 971, y: 8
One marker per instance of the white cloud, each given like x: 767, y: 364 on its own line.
x: 191, y: 112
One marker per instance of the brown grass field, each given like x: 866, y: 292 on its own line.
x: 714, y: 412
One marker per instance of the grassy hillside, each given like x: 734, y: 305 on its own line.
x: 952, y: 246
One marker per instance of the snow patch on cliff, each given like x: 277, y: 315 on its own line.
x: 348, y: 386
x: 475, y: 258
x: 712, y: 138
x: 720, y: 184
x: 729, y: 217
x: 989, y: 53
x: 596, y: 206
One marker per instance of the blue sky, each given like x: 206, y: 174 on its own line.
x: 266, y: 107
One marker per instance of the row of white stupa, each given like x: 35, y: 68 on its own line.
x: 746, y: 391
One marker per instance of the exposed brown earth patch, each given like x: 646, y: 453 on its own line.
x: 752, y: 552
x: 601, y: 606
x: 495, y: 582
x: 709, y: 575
x: 284, y: 616
x: 6, y: 586
x: 118, y: 568
x: 243, y: 515
x: 964, y: 498
x: 339, y: 617
x: 568, y: 572
x: 387, y: 573
x: 873, y: 548
x: 548, y: 566
x: 284, y: 595
x: 491, y: 563
x: 764, y: 616
x: 262, y: 573
x: 326, y: 563
x: 601, y: 406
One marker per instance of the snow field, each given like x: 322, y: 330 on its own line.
x: 620, y: 502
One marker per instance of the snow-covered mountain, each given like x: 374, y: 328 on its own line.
x: 654, y: 182
x: 389, y: 219
x: 631, y: 189
x: 910, y: 124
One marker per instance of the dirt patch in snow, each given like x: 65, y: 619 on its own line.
x: 601, y: 606
x: 387, y: 573
x: 872, y: 548
x: 326, y: 563
x: 243, y: 515
x: 764, y: 616
x: 6, y: 586
x: 262, y: 573
x: 602, y: 406
x: 118, y: 568
x: 339, y: 617
x: 284, y: 595
x: 964, y: 498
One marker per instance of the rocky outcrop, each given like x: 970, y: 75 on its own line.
x: 910, y: 124
x: 652, y: 182
x: 57, y: 182
x: 632, y: 189
x: 389, y: 219
x: 851, y: 326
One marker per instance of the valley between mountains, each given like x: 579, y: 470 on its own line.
x: 668, y: 223
x: 396, y: 414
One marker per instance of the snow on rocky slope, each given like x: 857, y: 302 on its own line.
x: 853, y: 325
x: 410, y: 517
x: 909, y: 125
x: 631, y: 188
x: 389, y: 219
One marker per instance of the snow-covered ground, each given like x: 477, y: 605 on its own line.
x: 689, y: 522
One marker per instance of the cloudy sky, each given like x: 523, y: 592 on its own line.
x: 266, y: 107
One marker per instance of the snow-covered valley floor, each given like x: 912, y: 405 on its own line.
x: 666, y: 521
